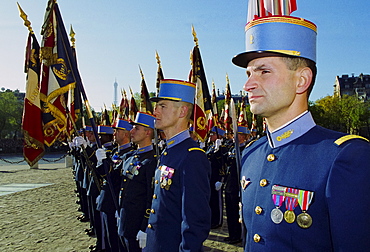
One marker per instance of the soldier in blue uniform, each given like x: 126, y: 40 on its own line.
x: 107, y: 202
x: 232, y: 189
x: 216, y: 154
x: 180, y: 218
x: 136, y: 191
x: 304, y: 187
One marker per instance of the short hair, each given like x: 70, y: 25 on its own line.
x: 293, y: 63
x: 188, y: 105
x: 151, y: 134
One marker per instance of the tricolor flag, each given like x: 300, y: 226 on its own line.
x: 33, y: 147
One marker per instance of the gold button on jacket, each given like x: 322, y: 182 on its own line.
x: 257, y: 238
x: 263, y: 182
x: 258, y: 210
x: 271, y: 157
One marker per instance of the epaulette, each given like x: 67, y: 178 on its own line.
x: 345, y: 138
x: 195, y: 148
x: 250, y: 143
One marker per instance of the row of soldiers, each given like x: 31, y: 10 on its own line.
x: 109, y: 218
x: 114, y: 183
x: 118, y: 184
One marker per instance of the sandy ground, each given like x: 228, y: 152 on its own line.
x: 44, y: 219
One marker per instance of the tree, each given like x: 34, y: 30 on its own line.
x: 11, y: 110
x: 346, y: 114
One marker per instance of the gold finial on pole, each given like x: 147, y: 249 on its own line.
x: 23, y: 15
x: 158, y: 58
x: 132, y: 94
x: 72, y: 35
x: 141, y: 73
x: 227, y: 79
x: 194, y: 35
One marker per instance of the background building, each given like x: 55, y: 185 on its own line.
x: 353, y: 85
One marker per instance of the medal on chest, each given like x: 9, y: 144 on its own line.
x: 166, y: 176
x: 304, y: 220
x: 278, y: 198
x: 291, y: 201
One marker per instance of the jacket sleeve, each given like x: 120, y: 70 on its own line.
x: 348, y: 197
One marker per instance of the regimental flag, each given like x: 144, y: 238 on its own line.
x: 33, y: 146
x: 202, y: 104
x: 133, y: 107
x: 254, y: 123
x: 74, y: 95
x: 213, y: 120
x: 227, y: 119
x: 160, y: 75
x: 58, y: 74
x: 145, y: 104
x: 124, y: 107
x: 242, y: 120
x: 104, y: 120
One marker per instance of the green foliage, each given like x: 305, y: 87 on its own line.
x: 346, y: 114
x: 11, y: 109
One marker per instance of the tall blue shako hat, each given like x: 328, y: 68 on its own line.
x: 105, y: 130
x: 144, y: 119
x: 270, y: 31
x: 122, y: 124
x: 175, y: 90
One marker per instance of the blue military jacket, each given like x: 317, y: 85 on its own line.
x: 105, y: 201
x: 180, y: 218
x: 136, y: 191
x: 309, y: 158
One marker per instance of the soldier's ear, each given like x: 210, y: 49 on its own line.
x: 304, y: 79
x: 183, y: 111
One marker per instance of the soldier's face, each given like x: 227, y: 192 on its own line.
x: 271, y: 86
x: 138, y: 134
x: 119, y: 136
x: 166, y: 113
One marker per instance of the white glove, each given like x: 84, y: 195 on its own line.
x: 71, y: 144
x: 141, y: 237
x: 217, y: 144
x: 100, y: 155
x: 78, y: 141
x: 218, y: 185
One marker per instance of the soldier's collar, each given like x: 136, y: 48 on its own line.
x: 125, y: 146
x: 108, y: 144
x: 291, y: 131
x: 178, y: 138
x: 144, y: 149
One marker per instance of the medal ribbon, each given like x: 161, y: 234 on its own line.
x: 304, y: 199
x: 278, y: 196
x: 291, y: 200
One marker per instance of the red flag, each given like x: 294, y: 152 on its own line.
x: 145, y: 104
x: 133, y: 107
x: 33, y: 147
x: 242, y: 120
x: 124, y: 107
x: 227, y: 119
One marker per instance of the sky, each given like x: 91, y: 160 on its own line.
x: 115, y: 37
